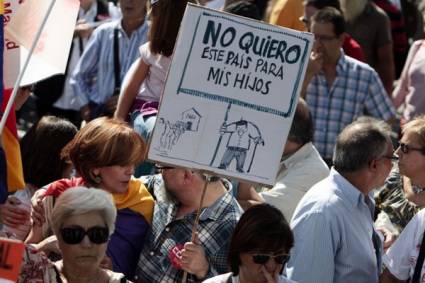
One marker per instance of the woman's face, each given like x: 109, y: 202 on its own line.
x: 114, y: 179
x: 250, y: 271
x: 411, y: 162
x: 85, y: 254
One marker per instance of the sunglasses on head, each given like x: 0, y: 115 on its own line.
x: 75, y: 235
x: 264, y: 258
x: 405, y: 148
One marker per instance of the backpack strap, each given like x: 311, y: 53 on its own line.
x: 419, y: 262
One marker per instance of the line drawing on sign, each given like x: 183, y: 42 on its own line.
x: 172, y: 131
x: 241, y: 133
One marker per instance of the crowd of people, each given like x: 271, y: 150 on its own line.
x: 346, y: 205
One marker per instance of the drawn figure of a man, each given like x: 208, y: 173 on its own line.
x: 239, y: 143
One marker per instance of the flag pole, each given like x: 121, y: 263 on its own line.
x: 22, y: 72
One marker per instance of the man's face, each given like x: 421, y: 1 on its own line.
x: 173, y: 179
x: 326, y: 42
x: 385, y: 165
x: 132, y: 9
x: 309, y: 11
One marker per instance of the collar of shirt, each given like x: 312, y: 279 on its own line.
x: 137, y: 31
x: 297, y: 156
x: 90, y: 14
x: 349, y: 192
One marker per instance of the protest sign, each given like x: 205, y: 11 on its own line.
x: 230, y: 95
x: 11, y: 252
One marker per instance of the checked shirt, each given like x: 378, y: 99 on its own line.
x: 356, y: 91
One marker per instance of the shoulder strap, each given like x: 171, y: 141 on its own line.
x: 116, y: 62
x: 419, y: 262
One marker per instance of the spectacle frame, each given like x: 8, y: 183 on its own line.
x: 264, y: 258
x: 405, y: 148
x: 75, y: 234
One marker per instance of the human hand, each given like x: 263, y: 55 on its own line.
x: 315, y: 63
x: 85, y: 113
x: 194, y: 260
x: 11, y: 214
x: 83, y: 29
x: 48, y: 245
x: 37, y: 211
x: 270, y: 277
x: 111, y: 103
x: 389, y: 237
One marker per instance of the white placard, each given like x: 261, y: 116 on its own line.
x: 230, y: 95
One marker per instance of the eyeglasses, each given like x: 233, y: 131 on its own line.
x: 391, y: 157
x: 264, y: 258
x: 405, y: 148
x: 74, y: 235
x: 324, y: 38
x: 160, y: 167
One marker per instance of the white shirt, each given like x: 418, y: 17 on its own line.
x: 151, y: 88
x: 297, y: 174
x: 235, y: 279
x: 401, y: 258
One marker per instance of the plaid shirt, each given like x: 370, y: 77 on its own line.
x: 215, y: 229
x: 357, y: 90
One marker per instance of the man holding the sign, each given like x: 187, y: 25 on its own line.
x: 168, y: 251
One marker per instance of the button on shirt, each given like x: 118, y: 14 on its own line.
x: 215, y: 229
x: 94, y: 76
x: 357, y: 90
x: 334, y: 235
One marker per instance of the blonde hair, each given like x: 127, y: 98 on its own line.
x: 417, y: 126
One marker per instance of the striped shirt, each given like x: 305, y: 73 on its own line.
x: 94, y: 76
x: 335, y: 240
x: 356, y: 91
x: 168, y: 233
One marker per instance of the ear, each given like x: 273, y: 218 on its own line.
x: 373, y: 165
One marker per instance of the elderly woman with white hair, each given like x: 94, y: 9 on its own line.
x: 83, y: 220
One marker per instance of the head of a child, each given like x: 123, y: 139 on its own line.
x: 166, y: 16
x: 102, y: 147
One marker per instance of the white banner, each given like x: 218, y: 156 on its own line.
x: 230, y: 95
x: 51, y: 53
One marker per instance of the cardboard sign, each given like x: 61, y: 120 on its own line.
x: 10, y: 258
x: 230, y: 95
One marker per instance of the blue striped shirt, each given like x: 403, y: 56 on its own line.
x: 94, y: 76
x: 357, y: 90
x: 334, y: 235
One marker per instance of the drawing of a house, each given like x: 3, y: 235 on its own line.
x: 191, y: 119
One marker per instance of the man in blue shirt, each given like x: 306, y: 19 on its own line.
x: 335, y: 240
x: 338, y: 88
x: 107, y: 57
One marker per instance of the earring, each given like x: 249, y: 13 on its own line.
x: 97, y: 179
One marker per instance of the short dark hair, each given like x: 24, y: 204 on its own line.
x: 244, y: 8
x: 302, y: 127
x: 320, y: 4
x: 166, y: 16
x: 358, y: 144
x: 41, y: 150
x: 332, y: 16
x: 261, y: 228
x: 104, y: 142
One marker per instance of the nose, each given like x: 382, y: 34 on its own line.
x: 86, y: 243
x: 271, y: 265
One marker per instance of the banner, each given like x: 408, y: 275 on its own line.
x: 230, y: 95
x: 22, y: 21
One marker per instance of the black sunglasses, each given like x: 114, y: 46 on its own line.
x: 74, y: 235
x: 405, y: 148
x: 264, y: 258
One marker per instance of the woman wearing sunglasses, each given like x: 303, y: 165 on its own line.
x: 404, y: 259
x: 83, y: 220
x: 104, y: 153
x: 259, y: 248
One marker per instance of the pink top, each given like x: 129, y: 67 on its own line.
x: 411, y: 88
